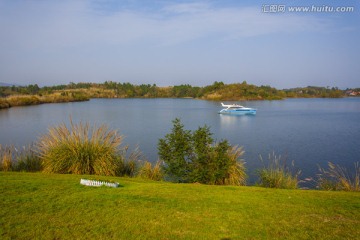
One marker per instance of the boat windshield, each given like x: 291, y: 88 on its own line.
x: 236, y: 106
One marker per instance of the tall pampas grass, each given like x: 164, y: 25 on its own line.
x: 80, y: 149
x: 128, y: 164
x: 337, y: 177
x: 152, y: 172
x: 6, y: 155
x: 236, y: 174
x: 277, y: 174
x: 19, y: 159
x: 27, y: 160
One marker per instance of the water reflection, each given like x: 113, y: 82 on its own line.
x: 234, y: 120
x: 229, y: 120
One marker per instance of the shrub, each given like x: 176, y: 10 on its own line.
x: 175, y: 150
x: 277, y: 174
x: 194, y: 157
x: 205, y: 158
x: 80, y: 149
x: 339, y: 178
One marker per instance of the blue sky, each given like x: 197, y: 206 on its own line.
x: 179, y: 42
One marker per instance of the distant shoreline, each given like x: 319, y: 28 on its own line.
x: 34, y: 95
x: 31, y: 100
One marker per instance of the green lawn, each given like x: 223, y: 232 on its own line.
x: 53, y: 206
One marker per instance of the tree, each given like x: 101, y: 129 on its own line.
x: 175, y: 150
x: 201, y: 165
x: 194, y: 157
x: 33, y: 89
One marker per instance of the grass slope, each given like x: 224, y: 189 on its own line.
x: 52, y: 206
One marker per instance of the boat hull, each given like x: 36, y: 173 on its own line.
x: 238, y: 111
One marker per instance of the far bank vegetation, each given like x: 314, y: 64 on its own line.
x: 33, y: 94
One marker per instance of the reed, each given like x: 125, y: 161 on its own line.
x: 277, y: 174
x: 337, y: 177
x: 4, y: 103
x: 148, y: 171
x: 67, y: 96
x: 80, y: 149
x: 19, y: 159
x: 57, y: 97
x: 126, y: 167
x: 27, y: 160
x: 128, y: 164
x: 236, y: 174
x: 6, y: 163
x: 22, y: 100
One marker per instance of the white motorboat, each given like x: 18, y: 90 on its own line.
x: 235, y: 109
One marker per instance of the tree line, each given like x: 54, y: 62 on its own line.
x: 215, y: 91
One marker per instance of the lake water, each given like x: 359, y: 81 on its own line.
x: 309, y: 132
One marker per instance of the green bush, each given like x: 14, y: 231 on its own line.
x: 175, y: 150
x: 277, y: 174
x: 194, y: 157
x: 80, y: 149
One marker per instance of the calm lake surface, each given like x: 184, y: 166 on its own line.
x: 309, y: 132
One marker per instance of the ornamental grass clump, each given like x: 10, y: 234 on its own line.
x: 6, y: 155
x: 27, y: 160
x: 148, y: 171
x: 236, y: 174
x: 80, y: 149
x: 19, y: 159
x: 128, y: 164
x: 337, y: 177
x: 277, y: 174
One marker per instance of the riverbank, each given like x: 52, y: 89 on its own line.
x: 27, y: 100
x: 52, y: 206
x: 32, y: 94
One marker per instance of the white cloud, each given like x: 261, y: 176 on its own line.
x: 82, y: 41
x: 69, y: 23
x: 187, y: 22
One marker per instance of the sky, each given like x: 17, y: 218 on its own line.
x: 163, y: 42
